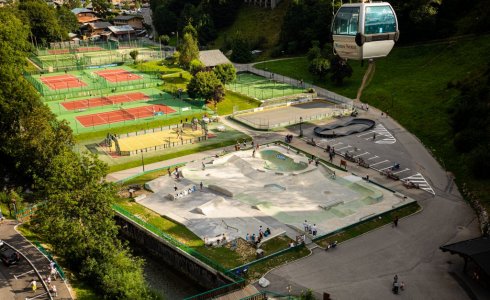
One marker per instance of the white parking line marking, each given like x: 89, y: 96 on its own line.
x: 345, y: 147
x: 379, y: 162
x: 385, y: 168
x: 406, y: 169
x: 339, y: 143
x: 361, y: 154
x: 373, y: 157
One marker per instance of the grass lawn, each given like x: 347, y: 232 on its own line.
x: 223, y: 255
x: 269, y: 27
x: 411, y: 85
x: 297, y: 68
x: 369, y: 225
x: 232, y: 99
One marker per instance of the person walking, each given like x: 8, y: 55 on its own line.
x: 395, y: 221
x: 33, y: 285
x: 200, y: 185
x: 313, y: 229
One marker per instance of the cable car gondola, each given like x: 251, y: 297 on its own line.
x: 364, y: 30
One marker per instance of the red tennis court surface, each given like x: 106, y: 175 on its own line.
x: 81, y: 49
x: 117, y: 75
x: 62, y: 82
x: 102, y: 101
x: 121, y: 115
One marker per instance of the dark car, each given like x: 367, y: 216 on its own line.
x: 7, y: 255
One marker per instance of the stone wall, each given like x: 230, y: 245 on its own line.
x: 184, y: 263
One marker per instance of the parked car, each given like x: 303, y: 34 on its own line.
x: 7, y: 255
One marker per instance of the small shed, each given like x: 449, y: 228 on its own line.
x: 476, y: 255
x: 212, y: 58
x: 122, y: 33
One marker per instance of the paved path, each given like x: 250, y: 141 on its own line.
x: 18, y: 288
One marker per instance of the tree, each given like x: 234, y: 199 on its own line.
x: 314, y: 52
x: 319, y: 66
x: 225, y: 72
x: 71, y: 4
x: 67, y: 19
x: 134, y: 55
x: 164, y: 39
x: 340, y: 69
x: 241, y: 52
x: 43, y: 21
x: 207, y: 86
x: 164, y: 20
x: 14, y: 36
x: 189, y: 50
x: 78, y: 222
x: 101, y: 7
x: 191, y: 30
x: 196, y: 66
x: 125, y: 5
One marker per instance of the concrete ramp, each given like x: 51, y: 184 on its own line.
x: 159, y: 184
x: 210, y: 207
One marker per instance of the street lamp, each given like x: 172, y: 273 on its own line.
x: 300, y: 128
x: 142, y: 160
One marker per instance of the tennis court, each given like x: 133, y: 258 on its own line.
x: 122, y: 115
x: 103, y: 101
x: 59, y: 82
x: 117, y: 75
x: 262, y: 88
x: 81, y: 49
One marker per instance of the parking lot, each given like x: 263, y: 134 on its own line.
x: 380, y: 149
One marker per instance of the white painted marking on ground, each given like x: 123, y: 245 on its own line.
x: 406, y: 169
x: 373, y: 157
x: 381, y: 131
x: 339, y: 143
x: 384, y: 168
x: 361, y: 154
x: 345, y: 147
x: 369, y: 132
x: 421, y: 181
x: 380, y: 162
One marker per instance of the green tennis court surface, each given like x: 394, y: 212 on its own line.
x: 262, y: 88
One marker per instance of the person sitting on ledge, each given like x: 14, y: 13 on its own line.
x: 267, y: 232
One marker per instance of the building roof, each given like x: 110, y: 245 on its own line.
x: 477, y: 249
x: 85, y: 19
x: 80, y: 10
x: 211, y: 58
x: 99, y: 25
x: 122, y: 29
x: 127, y: 17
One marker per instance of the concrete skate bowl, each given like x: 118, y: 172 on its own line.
x: 276, y: 161
x: 352, y: 126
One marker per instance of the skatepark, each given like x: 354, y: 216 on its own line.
x: 270, y: 187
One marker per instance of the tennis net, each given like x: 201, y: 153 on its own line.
x: 128, y: 114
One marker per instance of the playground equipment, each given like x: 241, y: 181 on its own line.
x: 364, y: 30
